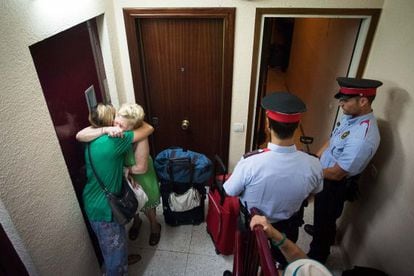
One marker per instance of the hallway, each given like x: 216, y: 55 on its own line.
x: 188, y: 250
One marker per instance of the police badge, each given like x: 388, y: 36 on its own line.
x: 345, y: 134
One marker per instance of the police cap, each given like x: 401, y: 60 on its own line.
x: 283, y: 107
x: 352, y: 87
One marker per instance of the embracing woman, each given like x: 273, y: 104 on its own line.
x: 107, y: 155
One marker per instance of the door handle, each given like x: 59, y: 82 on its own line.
x: 185, y: 124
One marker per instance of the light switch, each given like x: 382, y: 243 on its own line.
x: 238, y: 127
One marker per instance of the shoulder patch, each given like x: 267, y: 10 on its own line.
x: 367, y: 125
x: 246, y: 155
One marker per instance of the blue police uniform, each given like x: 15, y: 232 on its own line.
x: 276, y: 181
x: 353, y: 143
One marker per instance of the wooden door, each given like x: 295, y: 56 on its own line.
x: 185, y: 81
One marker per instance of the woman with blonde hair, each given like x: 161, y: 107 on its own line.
x: 106, y: 154
x: 131, y: 116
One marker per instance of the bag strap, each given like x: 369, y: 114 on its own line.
x: 96, y: 175
x: 216, y: 184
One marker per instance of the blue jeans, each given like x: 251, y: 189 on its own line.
x: 113, y: 244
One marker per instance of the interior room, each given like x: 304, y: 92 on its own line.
x: 52, y: 51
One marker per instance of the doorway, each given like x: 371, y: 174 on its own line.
x: 302, y: 51
x: 181, y: 61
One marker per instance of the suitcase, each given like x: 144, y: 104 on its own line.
x: 177, y: 169
x: 194, y: 216
x: 222, y: 213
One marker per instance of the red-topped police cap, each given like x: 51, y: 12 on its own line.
x: 352, y: 87
x: 283, y: 107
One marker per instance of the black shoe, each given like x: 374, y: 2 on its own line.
x: 309, y: 229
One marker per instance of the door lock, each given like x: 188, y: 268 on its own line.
x: 154, y: 121
x: 185, y: 124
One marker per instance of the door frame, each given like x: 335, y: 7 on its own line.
x: 369, y: 18
x: 137, y: 69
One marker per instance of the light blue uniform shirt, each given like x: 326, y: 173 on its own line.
x: 276, y: 181
x: 352, y: 144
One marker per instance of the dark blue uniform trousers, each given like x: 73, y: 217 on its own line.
x: 328, y: 208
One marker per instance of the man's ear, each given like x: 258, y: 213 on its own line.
x: 363, y: 101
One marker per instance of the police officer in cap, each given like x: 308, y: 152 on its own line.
x: 278, y: 179
x: 351, y: 146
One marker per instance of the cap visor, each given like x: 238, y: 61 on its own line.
x: 342, y: 96
x: 339, y: 95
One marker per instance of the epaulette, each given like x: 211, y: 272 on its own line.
x: 246, y: 155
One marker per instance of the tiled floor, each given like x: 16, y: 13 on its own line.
x: 188, y: 250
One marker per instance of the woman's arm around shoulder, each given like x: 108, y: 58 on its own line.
x: 142, y: 132
x: 90, y: 133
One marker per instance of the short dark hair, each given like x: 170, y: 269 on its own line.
x: 283, y: 130
x: 371, y: 98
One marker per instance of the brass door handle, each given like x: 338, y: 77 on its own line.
x: 185, y: 124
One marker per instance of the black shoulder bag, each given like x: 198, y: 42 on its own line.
x: 123, y: 206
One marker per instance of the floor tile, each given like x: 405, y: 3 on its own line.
x: 175, y: 238
x: 159, y: 262
x: 201, y: 242
x: 208, y: 265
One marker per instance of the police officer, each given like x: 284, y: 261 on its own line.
x: 352, y: 144
x: 278, y: 179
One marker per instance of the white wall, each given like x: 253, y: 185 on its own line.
x: 39, y: 210
x: 378, y: 228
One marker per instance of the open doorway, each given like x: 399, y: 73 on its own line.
x: 302, y: 52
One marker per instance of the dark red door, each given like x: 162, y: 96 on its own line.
x: 66, y: 67
x: 10, y: 262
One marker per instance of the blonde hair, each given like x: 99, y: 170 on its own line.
x: 134, y: 113
x: 102, y: 115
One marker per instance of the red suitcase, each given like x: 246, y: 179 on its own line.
x: 222, y: 213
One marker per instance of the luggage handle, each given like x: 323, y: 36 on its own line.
x: 217, y: 184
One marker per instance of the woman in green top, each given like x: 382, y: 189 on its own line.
x: 130, y: 116
x: 107, y: 155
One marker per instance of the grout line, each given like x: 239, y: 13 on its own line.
x: 188, y: 251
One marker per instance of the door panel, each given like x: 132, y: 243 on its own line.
x: 183, y: 64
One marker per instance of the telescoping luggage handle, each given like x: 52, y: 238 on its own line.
x: 217, y: 184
